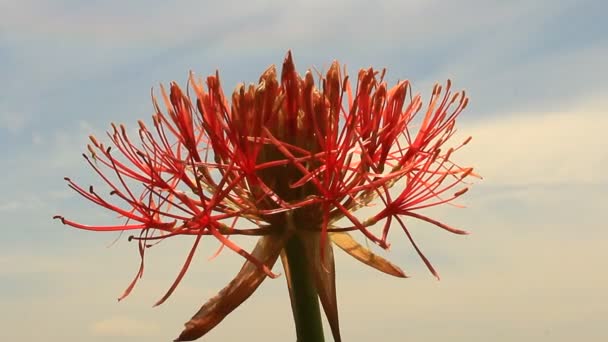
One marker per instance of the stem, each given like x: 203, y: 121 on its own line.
x: 304, y: 298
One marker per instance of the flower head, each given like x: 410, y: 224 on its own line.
x: 288, y: 157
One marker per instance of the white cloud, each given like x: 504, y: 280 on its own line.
x: 116, y: 23
x: 380, y: 25
x: 9, y: 206
x: 540, y: 148
x: 122, y: 326
x: 269, y: 23
x: 522, y: 284
x: 13, y: 122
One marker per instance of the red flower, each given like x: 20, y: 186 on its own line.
x: 289, y: 159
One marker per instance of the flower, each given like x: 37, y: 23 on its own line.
x: 290, y: 159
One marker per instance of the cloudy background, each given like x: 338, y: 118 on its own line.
x: 534, y: 268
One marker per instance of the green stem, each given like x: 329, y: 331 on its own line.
x: 304, y: 298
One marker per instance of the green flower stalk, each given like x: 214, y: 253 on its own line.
x: 284, y: 161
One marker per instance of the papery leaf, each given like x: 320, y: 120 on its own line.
x: 238, y: 290
x: 357, y: 251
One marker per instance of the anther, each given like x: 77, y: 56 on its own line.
x: 461, y: 192
x: 93, y: 140
x: 466, y: 173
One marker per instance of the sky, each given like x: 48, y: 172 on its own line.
x: 534, y: 267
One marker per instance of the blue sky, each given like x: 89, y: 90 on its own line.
x: 533, y: 269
